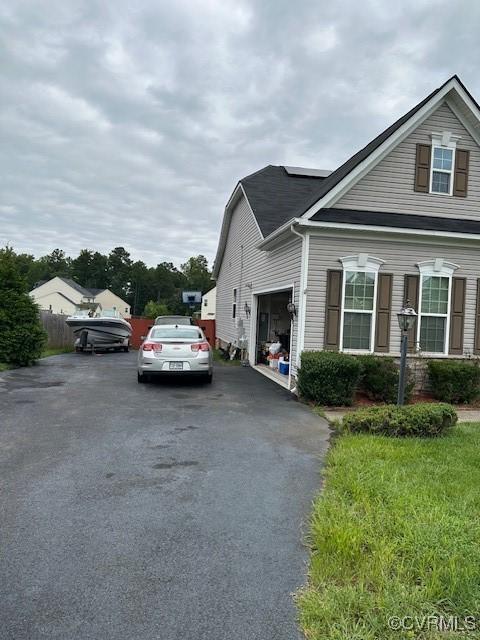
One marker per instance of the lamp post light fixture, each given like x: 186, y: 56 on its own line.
x: 406, y: 321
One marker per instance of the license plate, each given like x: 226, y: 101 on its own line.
x: 176, y: 366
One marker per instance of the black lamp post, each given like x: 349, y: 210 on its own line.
x: 406, y: 320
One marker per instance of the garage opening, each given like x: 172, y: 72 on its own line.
x: 274, y: 335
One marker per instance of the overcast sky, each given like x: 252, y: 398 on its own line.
x: 131, y: 126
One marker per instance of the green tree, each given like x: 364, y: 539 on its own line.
x: 197, y: 274
x: 119, y: 266
x: 55, y: 264
x: 81, y: 268
x: 22, y: 337
x: 154, y: 309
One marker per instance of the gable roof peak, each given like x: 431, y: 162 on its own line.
x: 344, y: 170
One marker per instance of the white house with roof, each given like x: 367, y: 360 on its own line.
x: 209, y: 304
x: 64, y: 295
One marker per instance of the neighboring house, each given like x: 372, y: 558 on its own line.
x: 209, y: 302
x: 110, y: 300
x: 398, y: 221
x: 64, y: 296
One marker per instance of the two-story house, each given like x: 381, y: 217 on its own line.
x: 326, y: 259
x: 65, y: 296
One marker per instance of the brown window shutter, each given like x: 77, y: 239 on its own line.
x: 457, y: 316
x: 422, y: 168
x: 410, y: 294
x: 384, y: 306
x: 476, y: 341
x: 460, y: 180
x: 333, y: 310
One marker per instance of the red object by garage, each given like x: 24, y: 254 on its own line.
x: 140, y: 327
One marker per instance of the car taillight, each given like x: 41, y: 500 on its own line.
x: 200, y: 346
x: 152, y: 346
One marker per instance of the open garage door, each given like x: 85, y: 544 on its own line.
x: 273, y: 335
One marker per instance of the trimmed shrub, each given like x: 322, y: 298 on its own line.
x: 379, y: 378
x: 328, y: 377
x: 421, y: 420
x: 454, y: 381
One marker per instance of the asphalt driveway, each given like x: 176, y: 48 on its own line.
x: 167, y: 511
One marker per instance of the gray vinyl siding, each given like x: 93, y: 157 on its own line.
x: 389, y: 185
x: 261, y: 270
x: 400, y: 258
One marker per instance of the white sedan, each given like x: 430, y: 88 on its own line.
x: 175, y: 350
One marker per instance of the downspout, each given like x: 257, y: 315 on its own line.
x: 305, y: 237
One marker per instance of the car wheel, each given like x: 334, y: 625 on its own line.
x: 125, y: 349
x: 209, y: 378
x: 141, y: 378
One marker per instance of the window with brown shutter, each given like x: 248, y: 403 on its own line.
x: 457, y: 315
x: 460, y: 180
x: 422, y: 168
x: 410, y: 295
x: 384, y: 304
x: 333, y: 310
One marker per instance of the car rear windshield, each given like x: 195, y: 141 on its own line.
x: 173, y: 320
x: 188, y: 333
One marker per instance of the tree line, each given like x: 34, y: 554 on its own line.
x: 148, y: 290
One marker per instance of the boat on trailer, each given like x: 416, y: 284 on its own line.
x: 100, y: 330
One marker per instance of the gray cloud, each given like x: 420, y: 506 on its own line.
x: 125, y: 125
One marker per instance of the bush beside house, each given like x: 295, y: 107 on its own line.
x: 454, y: 381
x: 331, y: 378
x: 328, y: 378
x: 379, y: 378
x: 22, y: 337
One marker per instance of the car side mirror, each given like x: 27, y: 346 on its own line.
x: 142, y: 337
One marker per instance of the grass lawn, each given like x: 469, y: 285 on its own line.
x: 396, y: 532
x: 55, y: 352
x: 45, y: 354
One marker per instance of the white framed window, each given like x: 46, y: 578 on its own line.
x: 359, y: 301
x: 433, y: 325
x: 442, y: 163
x: 441, y: 178
x: 234, y: 304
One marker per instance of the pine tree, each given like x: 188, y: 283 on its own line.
x: 22, y: 337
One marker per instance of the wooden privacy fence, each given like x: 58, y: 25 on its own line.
x: 59, y: 333
x: 208, y: 328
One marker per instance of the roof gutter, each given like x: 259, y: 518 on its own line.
x: 340, y: 226
x: 276, y: 235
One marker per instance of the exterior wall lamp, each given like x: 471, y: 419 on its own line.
x: 247, y: 309
x: 406, y: 321
x: 292, y: 309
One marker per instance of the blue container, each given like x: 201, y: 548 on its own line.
x: 283, y: 367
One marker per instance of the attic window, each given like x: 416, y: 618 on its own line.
x: 442, y: 170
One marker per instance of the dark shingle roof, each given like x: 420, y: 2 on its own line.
x: 95, y: 292
x: 82, y: 290
x: 397, y: 220
x: 275, y: 195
